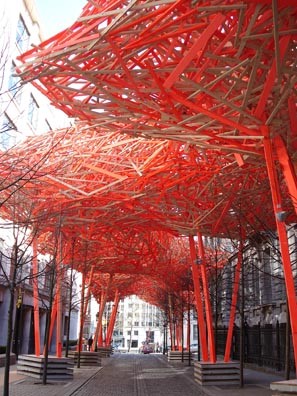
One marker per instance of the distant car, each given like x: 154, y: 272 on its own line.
x: 194, y: 347
x: 146, y: 349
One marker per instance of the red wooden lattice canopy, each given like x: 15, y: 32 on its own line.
x: 186, y: 123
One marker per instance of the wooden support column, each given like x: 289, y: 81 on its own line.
x: 178, y: 334
x: 208, y: 310
x: 199, y: 304
x: 233, y: 304
x: 112, y: 318
x: 88, y: 296
x: 170, y: 319
x: 36, y: 299
x: 283, y: 238
x: 189, y: 324
x: 98, y: 331
x: 59, y: 273
x: 288, y: 169
x: 53, y: 321
x: 82, y: 303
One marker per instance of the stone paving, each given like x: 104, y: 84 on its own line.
x: 136, y: 375
x: 141, y: 375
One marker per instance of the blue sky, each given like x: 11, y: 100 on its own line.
x: 56, y: 15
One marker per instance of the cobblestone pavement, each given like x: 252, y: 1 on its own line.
x: 141, y: 375
x: 27, y: 386
x: 120, y: 375
x: 136, y: 375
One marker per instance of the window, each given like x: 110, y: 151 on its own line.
x: 14, y: 84
x: 136, y: 323
x: 266, y: 286
x: 45, y: 126
x: 195, y: 332
x: 129, y: 332
x: 22, y: 35
x: 7, y: 133
x: 33, y: 112
x: 48, y: 125
x: 150, y: 336
x: 134, y: 344
x: 135, y: 332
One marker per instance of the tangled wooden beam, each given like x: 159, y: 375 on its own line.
x: 208, y: 73
x: 188, y: 124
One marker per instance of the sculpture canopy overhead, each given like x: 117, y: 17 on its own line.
x: 174, y: 100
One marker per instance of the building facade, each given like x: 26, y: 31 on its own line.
x: 138, y: 323
x: 262, y: 283
x: 24, y: 111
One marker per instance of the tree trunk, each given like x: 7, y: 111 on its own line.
x: 8, y: 343
x: 242, y: 335
x: 287, y: 351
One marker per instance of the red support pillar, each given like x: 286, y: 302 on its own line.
x: 87, y: 298
x: 53, y: 321
x: 199, y: 304
x: 98, y: 333
x: 283, y: 238
x: 208, y: 310
x: 112, y: 318
x: 82, y: 304
x: 100, y: 328
x: 170, y: 319
x: 177, y: 335
x: 59, y: 273
x: 36, y: 299
x: 233, y: 304
x: 288, y: 169
x: 189, y: 324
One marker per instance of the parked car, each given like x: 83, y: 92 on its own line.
x: 146, y: 348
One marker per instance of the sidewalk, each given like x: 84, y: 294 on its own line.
x: 20, y: 385
x: 136, y: 375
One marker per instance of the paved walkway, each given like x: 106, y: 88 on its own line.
x: 135, y: 375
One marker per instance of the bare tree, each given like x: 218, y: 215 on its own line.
x: 16, y: 264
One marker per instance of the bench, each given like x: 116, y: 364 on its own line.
x: 3, y: 359
x: 86, y: 358
x: 176, y: 356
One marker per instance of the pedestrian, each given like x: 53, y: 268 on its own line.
x: 90, y: 342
